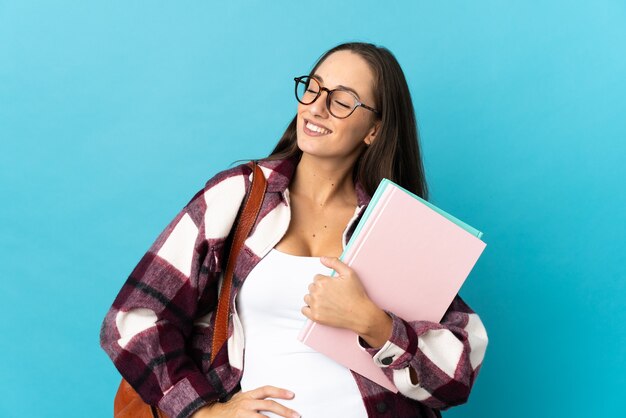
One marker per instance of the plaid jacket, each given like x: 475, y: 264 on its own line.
x: 158, y: 331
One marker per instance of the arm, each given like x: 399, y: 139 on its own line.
x: 146, y: 330
x: 434, y: 363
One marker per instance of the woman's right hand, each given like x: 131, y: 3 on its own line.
x: 248, y: 404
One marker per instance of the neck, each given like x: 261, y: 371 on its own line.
x: 323, y: 181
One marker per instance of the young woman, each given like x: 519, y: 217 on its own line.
x: 354, y: 125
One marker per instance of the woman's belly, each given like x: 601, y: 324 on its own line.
x: 269, y: 306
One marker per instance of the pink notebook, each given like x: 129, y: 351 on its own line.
x: 412, y: 259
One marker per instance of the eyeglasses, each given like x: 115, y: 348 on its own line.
x: 339, y: 102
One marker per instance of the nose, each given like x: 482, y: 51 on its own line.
x: 319, y: 106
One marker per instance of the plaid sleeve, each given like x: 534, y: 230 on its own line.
x: 147, y: 329
x: 446, y: 356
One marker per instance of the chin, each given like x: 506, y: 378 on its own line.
x: 310, y: 147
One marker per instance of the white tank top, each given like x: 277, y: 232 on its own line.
x: 269, y: 304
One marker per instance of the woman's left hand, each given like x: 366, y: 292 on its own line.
x: 341, y: 301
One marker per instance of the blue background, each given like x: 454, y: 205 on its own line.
x: 113, y: 114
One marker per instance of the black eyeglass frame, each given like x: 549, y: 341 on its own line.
x: 329, y: 92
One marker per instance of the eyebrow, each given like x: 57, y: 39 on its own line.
x: 339, y: 86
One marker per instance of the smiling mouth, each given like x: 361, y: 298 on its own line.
x: 311, y: 128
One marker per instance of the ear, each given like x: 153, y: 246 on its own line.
x: 371, y: 134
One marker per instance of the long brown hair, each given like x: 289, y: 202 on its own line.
x: 395, y: 152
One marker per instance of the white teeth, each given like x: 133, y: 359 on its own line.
x: 316, y: 128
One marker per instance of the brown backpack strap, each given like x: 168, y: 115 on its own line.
x: 251, y: 209
x: 127, y: 403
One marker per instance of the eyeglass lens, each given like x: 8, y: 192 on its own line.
x: 341, y: 102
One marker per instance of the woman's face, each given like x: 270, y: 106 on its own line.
x: 323, y: 135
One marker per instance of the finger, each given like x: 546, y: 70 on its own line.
x: 306, y: 311
x: 307, y: 299
x: 251, y: 414
x: 275, y: 407
x: 318, y: 278
x: 270, y: 392
x: 336, y: 264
